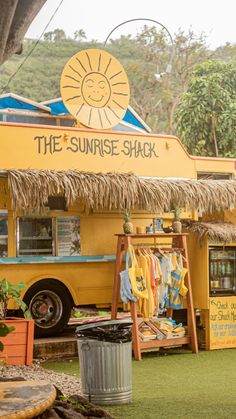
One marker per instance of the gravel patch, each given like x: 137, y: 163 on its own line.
x: 68, y: 384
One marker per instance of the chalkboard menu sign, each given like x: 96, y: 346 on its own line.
x: 222, y: 322
x: 68, y: 234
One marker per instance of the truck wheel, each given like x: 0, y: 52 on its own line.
x: 50, y: 305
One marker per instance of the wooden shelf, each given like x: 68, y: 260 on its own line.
x: 155, y: 343
x: 152, y: 235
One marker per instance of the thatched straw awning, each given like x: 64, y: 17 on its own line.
x: 215, y: 231
x: 115, y: 191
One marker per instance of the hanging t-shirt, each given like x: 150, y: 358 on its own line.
x: 174, y: 298
x: 147, y: 307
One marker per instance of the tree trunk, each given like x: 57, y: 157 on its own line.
x: 15, y: 18
x: 213, y: 120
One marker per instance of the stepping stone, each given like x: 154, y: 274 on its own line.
x: 25, y: 399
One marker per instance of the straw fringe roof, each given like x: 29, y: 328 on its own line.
x: 216, y: 231
x: 115, y: 191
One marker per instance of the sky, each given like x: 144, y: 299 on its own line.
x: 98, y: 17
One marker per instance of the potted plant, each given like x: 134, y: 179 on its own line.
x: 127, y: 226
x: 177, y: 225
x: 17, y: 346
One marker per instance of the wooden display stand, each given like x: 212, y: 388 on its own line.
x: 178, y: 241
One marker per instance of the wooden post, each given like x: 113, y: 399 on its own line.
x: 116, y: 288
x: 191, y: 313
x: 136, y: 341
x: 122, y: 245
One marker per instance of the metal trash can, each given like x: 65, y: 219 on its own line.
x: 105, y: 354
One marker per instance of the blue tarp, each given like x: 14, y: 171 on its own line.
x: 14, y: 103
x: 57, y: 107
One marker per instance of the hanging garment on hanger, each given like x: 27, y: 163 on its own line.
x: 156, y: 281
x: 174, y: 260
x: 174, y: 298
x: 162, y: 295
x: 148, y: 306
x: 125, y: 284
x: 138, y: 283
x: 166, y: 268
x: 152, y: 271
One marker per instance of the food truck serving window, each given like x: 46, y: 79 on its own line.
x: 3, y: 233
x: 35, y: 237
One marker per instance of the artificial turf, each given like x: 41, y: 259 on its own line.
x: 171, y: 385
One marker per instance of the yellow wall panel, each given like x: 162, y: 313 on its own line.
x: 198, y: 261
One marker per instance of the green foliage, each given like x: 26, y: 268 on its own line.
x: 79, y: 35
x: 206, y: 115
x: 103, y: 313
x: 9, y: 292
x: 57, y: 35
x: 177, y: 212
x: 79, y: 315
x: 127, y: 216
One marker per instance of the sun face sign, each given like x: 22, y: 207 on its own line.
x: 95, y: 88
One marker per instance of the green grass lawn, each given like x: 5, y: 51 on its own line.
x: 172, y: 385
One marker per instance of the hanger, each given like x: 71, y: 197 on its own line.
x: 138, y: 252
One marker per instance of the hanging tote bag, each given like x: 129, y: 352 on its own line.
x: 125, y: 284
x: 136, y: 276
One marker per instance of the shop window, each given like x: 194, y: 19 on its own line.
x: 3, y: 233
x: 68, y: 236
x: 35, y: 237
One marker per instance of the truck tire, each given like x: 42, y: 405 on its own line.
x: 50, y: 304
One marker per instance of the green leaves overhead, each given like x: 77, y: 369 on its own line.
x: 206, y: 115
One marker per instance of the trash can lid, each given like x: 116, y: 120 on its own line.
x: 104, y: 323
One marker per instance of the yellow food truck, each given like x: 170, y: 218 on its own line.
x: 66, y: 179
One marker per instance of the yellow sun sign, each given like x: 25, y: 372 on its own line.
x: 95, y: 88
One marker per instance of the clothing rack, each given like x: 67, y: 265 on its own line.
x: 154, y: 245
x: 180, y: 243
